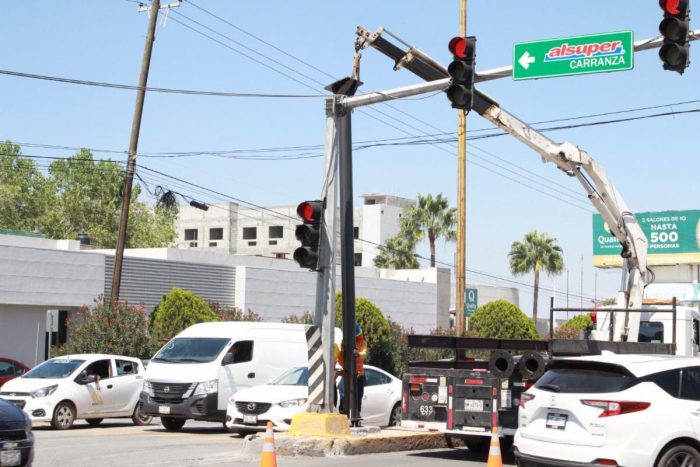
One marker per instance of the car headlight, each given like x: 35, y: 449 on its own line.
x: 43, y: 392
x: 293, y: 403
x: 206, y: 387
x: 148, y: 389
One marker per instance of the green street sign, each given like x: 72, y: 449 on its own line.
x: 471, y: 297
x: 597, y: 53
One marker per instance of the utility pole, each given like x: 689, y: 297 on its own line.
x: 581, y: 281
x: 133, y: 145
x: 461, y: 322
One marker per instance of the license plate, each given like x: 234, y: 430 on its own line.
x: 250, y: 419
x: 473, y: 405
x: 556, y: 421
x: 10, y: 457
x: 164, y: 409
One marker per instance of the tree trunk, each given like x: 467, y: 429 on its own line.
x: 536, y: 293
x: 431, y: 238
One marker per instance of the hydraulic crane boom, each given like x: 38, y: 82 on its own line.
x: 576, y: 162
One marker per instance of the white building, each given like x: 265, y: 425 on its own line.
x: 269, y: 231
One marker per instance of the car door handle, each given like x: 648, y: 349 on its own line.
x: 109, y: 386
x: 251, y: 375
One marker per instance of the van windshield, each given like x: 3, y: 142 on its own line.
x: 191, y: 350
x: 55, y: 368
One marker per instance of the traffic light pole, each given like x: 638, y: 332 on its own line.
x: 461, y: 266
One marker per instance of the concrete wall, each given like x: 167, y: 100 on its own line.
x: 23, y: 333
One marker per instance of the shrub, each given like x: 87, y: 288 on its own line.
x: 571, y: 328
x: 414, y: 354
x: 377, y: 332
x: 500, y: 319
x: 177, y: 311
x: 306, y: 318
x: 118, y: 328
x: 232, y: 313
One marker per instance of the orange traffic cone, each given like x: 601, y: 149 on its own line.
x: 495, y: 459
x: 268, y: 457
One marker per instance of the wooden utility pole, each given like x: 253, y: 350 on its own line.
x: 133, y: 145
x: 460, y: 273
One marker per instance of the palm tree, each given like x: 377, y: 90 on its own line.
x: 397, y: 253
x: 432, y: 216
x: 538, y: 252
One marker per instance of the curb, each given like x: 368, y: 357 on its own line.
x: 365, y: 441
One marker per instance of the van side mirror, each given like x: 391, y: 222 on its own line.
x: 228, y: 359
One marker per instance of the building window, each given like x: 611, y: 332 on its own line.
x: 213, y: 244
x: 191, y: 237
x: 355, y: 233
x: 272, y: 242
x: 358, y: 259
x: 281, y: 255
x: 252, y: 243
x: 275, y: 231
x: 250, y: 233
x: 216, y: 233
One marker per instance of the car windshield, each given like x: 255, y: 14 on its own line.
x: 54, y: 368
x: 191, y: 350
x: 584, y: 380
x: 293, y: 377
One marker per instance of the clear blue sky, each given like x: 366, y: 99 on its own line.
x: 653, y: 162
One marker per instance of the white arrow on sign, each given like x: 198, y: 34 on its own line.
x: 525, y: 60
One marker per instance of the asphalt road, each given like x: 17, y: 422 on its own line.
x: 118, y: 442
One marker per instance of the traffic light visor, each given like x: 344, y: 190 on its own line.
x: 674, y: 7
x: 460, y: 71
x: 462, y: 47
x: 673, y: 29
x: 310, y: 211
x: 674, y: 55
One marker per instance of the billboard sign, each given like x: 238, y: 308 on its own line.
x: 673, y: 238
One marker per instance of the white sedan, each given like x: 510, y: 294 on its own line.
x: 279, y: 400
x: 88, y: 386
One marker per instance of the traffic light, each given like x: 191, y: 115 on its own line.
x: 461, y: 70
x: 309, y: 234
x: 675, y: 28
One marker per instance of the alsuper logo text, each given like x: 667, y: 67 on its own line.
x: 596, y: 49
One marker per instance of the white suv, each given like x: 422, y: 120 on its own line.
x: 88, y: 386
x: 625, y: 410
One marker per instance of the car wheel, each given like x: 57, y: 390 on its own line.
x: 94, y: 421
x: 172, y: 424
x: 139, y: 418
x: 63, y: 416
x: 679, y: 454
x: 395, y: 417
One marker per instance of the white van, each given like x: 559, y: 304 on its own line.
x: 195, y: 373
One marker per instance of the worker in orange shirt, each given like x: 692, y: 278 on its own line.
x: 360, y: 352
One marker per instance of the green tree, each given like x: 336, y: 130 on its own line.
x: 500, y: 319
x: 397, y: 253
x: 376, y: 329
x: 78, y: 195
x: 177, y: 311
x: 537, y: 252
x: 571, y: 328
x: 431, y: 217
x: 119, y: 328
x: 232, y: 313
x: 23, y: 199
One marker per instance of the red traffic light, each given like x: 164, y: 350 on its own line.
x: 310, y: 211
x: 462, y: 47
x: 674, y: 7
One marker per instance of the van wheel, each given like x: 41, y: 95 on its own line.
x: 94, y: 421
x: 63, y: 416
x: 139, y: 418
x: 172, y: 424
x: 395, y: 417
x: 679, y: 454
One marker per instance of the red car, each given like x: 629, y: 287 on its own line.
x: 10, y: 369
